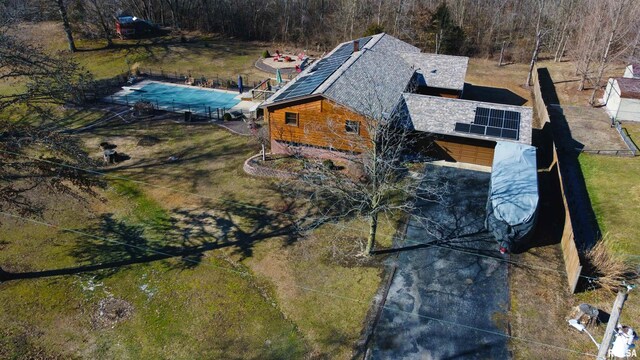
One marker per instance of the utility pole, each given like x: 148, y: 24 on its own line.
x: 611, y: 325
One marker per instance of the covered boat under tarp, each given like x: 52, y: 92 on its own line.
x: 513, y: 194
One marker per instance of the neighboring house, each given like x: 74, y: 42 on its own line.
x: 622, y: 98
x: 131, y: 27
x: 632, y: 71
x: 380, y: 77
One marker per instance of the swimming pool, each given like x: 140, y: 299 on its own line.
x: 177, y: 98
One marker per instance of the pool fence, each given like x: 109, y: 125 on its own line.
x: 192, y: 109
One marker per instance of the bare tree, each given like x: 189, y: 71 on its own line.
x: 539, y: 34
x: 29, y: 142
x: 616, y: 35
x: 49, y: 78
x: 371, y: 180
x: 99, y: 18
x: 62, y: 9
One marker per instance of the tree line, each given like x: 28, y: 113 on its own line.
x: 466, y: 27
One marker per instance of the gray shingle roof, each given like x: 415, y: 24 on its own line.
x: 629, y: 87
x: 374, y: 82
x: 371, y: 81
x: 439, y: 71
x: 438, y: 115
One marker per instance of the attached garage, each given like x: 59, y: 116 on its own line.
x: 471, y: 151
x: 465, y: 131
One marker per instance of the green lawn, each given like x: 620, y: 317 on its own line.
x: 209, y: 55
x: 614, y: 190
x: 239, y: 294
x: 233, y: 282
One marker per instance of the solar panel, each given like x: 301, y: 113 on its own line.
x: 477, y: 129
x: 320, y: 72
x: 462, y: 127
x: 493, y: 122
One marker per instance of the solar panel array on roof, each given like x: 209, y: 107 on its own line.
x: 320, y: 72
x: 493, y: 122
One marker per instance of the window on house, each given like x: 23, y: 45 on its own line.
x: 291, y: 119
x: 352, y: 127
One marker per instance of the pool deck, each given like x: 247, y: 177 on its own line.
x: 244, y: 105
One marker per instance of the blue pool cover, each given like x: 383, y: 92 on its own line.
x: 177, y: 98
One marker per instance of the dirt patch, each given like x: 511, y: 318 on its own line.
x: 540, y: 304
x: 148, y: 140
x: 347, y: 251
x: 111, y: 311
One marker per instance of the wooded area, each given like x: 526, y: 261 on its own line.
x: 591, y: 33
x: 479, y: 27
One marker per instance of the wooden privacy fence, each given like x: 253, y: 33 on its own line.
x: 570, y: 254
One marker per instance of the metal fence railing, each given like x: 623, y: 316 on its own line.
x: 198, y: 79
x: 632, y: 151
x: 625, y: 137
x: 197, y: 110
x: 608, y: 152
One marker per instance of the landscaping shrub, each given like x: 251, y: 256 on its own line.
x: 328, y: 164
x: 265, y: 54
x: 226, y: 117
x: 610, y: 269
x: 356, y: 171
x: 148, y: 140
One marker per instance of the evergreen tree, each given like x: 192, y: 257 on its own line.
x: 374, y: 29
x: 449, y: 37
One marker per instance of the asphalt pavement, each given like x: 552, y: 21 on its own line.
x: 445, y: 301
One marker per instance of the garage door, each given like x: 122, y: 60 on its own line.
x: 467, y: 150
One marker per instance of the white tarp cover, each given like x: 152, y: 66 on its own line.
x: 514, y: 183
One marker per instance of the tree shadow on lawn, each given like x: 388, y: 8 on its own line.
x: 183, y: 235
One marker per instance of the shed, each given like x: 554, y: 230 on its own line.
x: 622, y: 98
x: 513, y: 193
x: 632, y: 71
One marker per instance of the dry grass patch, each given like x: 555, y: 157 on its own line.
x: 540, y: 302
x: 610, y: 269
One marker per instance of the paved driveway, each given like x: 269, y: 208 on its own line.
x: 446, y: 282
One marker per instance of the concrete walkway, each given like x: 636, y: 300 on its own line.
x: 441, y: 292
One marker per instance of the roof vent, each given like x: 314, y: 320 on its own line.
x: 434, y: 71
x: 356, y: 45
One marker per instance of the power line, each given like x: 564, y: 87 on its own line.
x: 306, y: 288
x: 340, y: 226
x: 516, y: 263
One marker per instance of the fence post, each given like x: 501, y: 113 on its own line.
x: 173, y: 107
x: 126, y: 98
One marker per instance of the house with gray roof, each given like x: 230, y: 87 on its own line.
x: 380, y: 77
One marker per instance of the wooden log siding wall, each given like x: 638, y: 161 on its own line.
x: 469, y: 151
x: 321, y: 123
